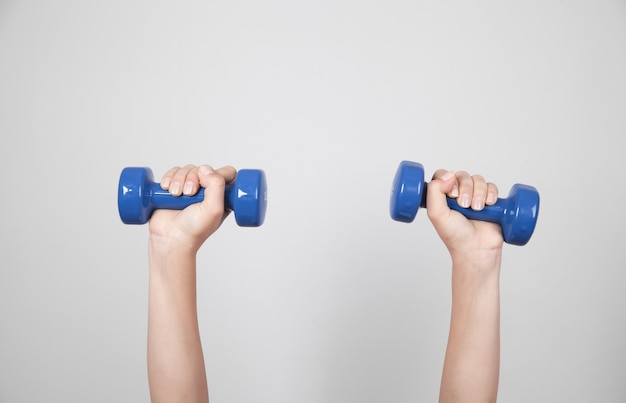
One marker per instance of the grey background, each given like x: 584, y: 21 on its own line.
x: 330, y: 300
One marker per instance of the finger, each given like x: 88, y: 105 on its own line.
x: 192, y: 182
x: 479, y: 194
x: 492, y: 194
x: 179, y: 179
x: 167, y: 178
x: 466, y: 187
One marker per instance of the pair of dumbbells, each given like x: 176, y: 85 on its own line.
x: 139, y: 195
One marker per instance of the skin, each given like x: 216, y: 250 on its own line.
x: 176, y: 369
x: 472, y: 360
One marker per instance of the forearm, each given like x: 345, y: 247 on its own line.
x: 471, y: 367
x: 175, y: 361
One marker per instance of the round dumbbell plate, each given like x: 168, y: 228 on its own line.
x: 406, y: 191
x: 250, y: 200
x: 520, y: 219
x: 131, y: 199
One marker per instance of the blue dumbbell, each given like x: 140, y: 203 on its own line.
x: 516, y: 214
x: 138, y: 195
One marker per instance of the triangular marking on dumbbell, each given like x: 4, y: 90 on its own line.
x: 241, y: 193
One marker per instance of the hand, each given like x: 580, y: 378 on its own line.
x: 461, y: 235
x: 188, y: 229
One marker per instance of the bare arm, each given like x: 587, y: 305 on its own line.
x: 472, y: 360
x: 176, y: 370
x: 175, y: 359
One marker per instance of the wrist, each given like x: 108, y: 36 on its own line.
x: 165, y: 254
x: 476, y: 282
x: 478, y: 263
x: 173, y: 241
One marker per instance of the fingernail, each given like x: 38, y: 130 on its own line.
x: 188, y: 188
x: 175, y: 189
x: 464, y: 201
x: 491, y: 198
x: 165, y: 183
x: 478, y: 203
x: 205, y: 170
x: 455, y: 191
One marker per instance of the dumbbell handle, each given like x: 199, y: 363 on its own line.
x: 491, y: 213
x: 163, y: 199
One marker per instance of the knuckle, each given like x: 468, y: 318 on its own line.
x: 214, y: 181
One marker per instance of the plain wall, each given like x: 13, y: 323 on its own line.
x: 330, y: 300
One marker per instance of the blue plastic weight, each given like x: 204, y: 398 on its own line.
x: 516, y: 214
x: 138, y: 196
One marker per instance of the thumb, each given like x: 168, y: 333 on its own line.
x: 214, y: 186
x: 443, y: 184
